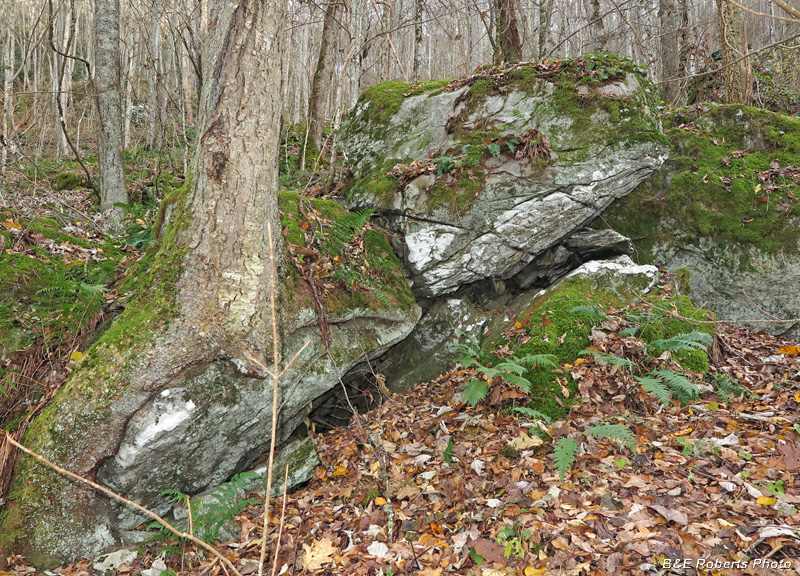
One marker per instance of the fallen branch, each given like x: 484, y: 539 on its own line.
x: 125, y: 501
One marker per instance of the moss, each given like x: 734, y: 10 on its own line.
x: 683, y: 276
x: 555, y: 329
x: 73, y: 420
x: 710, y: 188
x: 386, y: 98
x: 68, y: 181
x: 661, y: 326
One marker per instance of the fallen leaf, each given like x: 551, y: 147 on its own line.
x: 319, y: 553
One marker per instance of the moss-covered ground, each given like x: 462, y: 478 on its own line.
x: 560, y: 323
x: 354, y: 267
x: 732, y: 177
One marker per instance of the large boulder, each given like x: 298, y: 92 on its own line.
x: 209, y: 421
x: 480, y: 177
x: 725, y: 208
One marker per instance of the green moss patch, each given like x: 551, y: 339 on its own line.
x: 359, y: 263
x: 727, y: 180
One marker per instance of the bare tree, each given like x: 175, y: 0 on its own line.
x: 508, y: 37
x: 323, y: 74
x: 211, y: 302
x: 735, y: 59
x: 108, y: 96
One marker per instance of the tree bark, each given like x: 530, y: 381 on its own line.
x: 733, y: 45
x: 545, y: 17
x: 323, y: 75
x: 419, y: 6
x: 669, y: 51
x: 508, y: 37
x: 204, y: 302
x: 108, y: 96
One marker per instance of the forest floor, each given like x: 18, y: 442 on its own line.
x: 429, y: 485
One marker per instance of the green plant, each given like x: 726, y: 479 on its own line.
x: 566, y: 447
x: 211, y: 512
x: 448, y: 451
x: 595, y: 312
x: 514, y: 540
x: 509, y: 370
x: 344, y: 230
x: 688, y: 446
x: 726, y: 386
x: 65, y: 304
x: 564, y: 454
x: 689, y: 342
x: 138, y: 225
x: 776, y: 488
x: 666, y: 384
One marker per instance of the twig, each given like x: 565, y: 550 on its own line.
x: 276, y: 376
x: 759, y: 308
x: 283, y: 518
x: 124, y: 500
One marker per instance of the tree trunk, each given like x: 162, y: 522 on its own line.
x: 508, y: 38
x: 733, y: 45
x: 419, y: 6
x: 323, y: 75
x: 202, y: 310
x: 669, y: 51
x: 597, y: 29
x: 545, y: 17
x: 108, y: 96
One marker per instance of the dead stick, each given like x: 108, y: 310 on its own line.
x: 124, y: 500
x: 283, y: 518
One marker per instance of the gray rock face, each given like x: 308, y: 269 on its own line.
x: 523, y: 209
x: 223, y: 416
x: 735, y: 281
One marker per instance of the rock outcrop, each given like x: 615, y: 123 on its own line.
x: 485, y: 178
x: 725, y: 208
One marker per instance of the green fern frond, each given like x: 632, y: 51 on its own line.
x: 592, y: 310
x: 684, y: 389
x: 616, y: 432
x: 656, y: 388
x: 518, y: 381
x: 725, y: 385
x: 689, y: 341
x: 511, y: 366
x: 532, y: 413
x: 539, y: 360
x: 564, y: 454
x: 344, y: 230
x: 475, y: 391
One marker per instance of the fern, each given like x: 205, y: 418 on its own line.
x: 683, y: 389
x: 343, y: 231
x: 475, y: 391
x: 543, y: 360
x: 564, y: 453
x: 532, y: 413
x: 689, y: 341
x: 656, y: 388
x: 212, y: 511
x: 725, y: 385
x: 470, y: 352
x: 616, y: 432
x: 64, y: 306
x: 592, y: 310
x: 222, y: 505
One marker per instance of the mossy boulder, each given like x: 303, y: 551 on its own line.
x: 196, y: 427
x: 481, y: 176
x: 724, y: 207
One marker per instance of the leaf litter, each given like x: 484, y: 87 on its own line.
x: 426, y: 484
